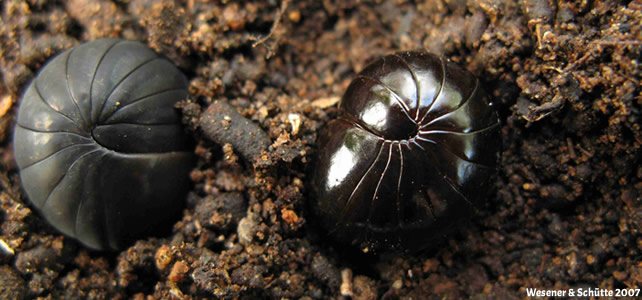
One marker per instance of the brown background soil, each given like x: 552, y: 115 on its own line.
x: 566, y: 212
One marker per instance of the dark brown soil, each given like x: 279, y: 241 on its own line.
x: 566, y: 212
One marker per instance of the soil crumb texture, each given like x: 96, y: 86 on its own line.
x: 564, y: 212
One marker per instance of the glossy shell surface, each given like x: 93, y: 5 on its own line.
x: 100, y: 148
x: 413, y: 151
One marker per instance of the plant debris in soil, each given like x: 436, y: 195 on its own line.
x: 566, y: 211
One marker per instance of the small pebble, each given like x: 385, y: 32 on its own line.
x: 346, y: 283
x: 178, y: 271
